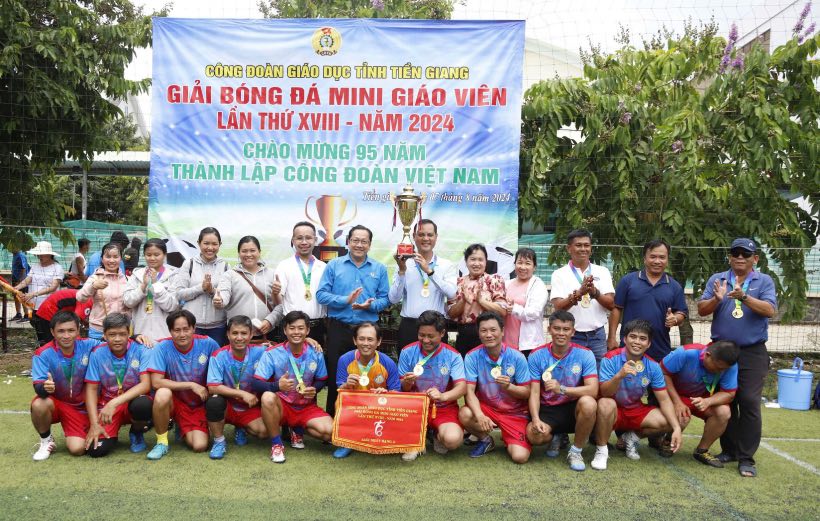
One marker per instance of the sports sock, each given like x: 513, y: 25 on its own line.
x: 573, y: 448
x: 276, y: 440
x: 46, y: 434
x: 162, y: 438
x: 602, y: 448
x: 219, y: 439
x: 701, y: 451
x: 299, y: 430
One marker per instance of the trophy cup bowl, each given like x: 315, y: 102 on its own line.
x: 330, y: 210
x: 407, y: 205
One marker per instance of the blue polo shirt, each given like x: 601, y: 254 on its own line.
x: 341, y: 277
x: 639, y: 299
x: 751, y: 328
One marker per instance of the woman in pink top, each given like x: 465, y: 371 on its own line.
x: 106, y: 287
x: 475, y: 293
x: 526, y: 298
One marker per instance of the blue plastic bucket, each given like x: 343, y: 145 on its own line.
x: 794, y: 387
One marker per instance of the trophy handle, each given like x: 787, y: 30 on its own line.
x: 307, y: 202
x: 352, y: 217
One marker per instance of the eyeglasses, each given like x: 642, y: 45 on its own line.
x: 363, y: 242
x: 741, y: 253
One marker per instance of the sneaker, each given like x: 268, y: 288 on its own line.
x: 600, y: 459
x: 632, y: 441
x: 438, y: 446
x: 620, y: 444
x: 159, y: 450
x: 342, y: 452
x: 555, y: 447
x: 297, y: 441
x: 137, y: 442
x: 483, y: 447
x: 16, y: 318
x: 724, y: 457
x: 470, y: 439
x: 240, y: 437
x: 576, y: 461
x: 410, y: 456
x: 665, y: 450
x: 277, y: 453
x: 218, y: 450
x: 45, y: 449
x: 564, y: 441
x: 706, y: 458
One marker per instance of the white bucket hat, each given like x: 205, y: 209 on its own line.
x: 43, y: 248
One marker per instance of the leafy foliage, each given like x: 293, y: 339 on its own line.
x: 420, y: 9
x: 657, y: 142
x: 61, y: 66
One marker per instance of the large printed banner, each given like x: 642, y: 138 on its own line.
x: 259, y: 124
x: 386, y: 423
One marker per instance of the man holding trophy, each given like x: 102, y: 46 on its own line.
x: 423, y: 281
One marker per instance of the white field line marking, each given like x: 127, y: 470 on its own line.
x: 7, y: 411
x: 785, y: 455
x: 814, y: 440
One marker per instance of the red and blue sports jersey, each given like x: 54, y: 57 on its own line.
x: 685, y: 366
x: 105, y: 368
x: 383, y: 373
x: 477, y: 367
x: 191, y: 366
x: 577, y: 365
x: 632, y: 388
x: 68, y: 373
x: 225, y: 369
x: 443, y: 370
x: 277, y: 361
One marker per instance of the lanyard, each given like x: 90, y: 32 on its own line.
x: 555, y: 364
x: 579, y: 275
x: 428, y: 357
x: 425, y: 280
x: 119, y: 371
x: 365, y: 370
x: 746, y: 282
x: 69, y: 376
x: 305, y: 276
x: 237, y: 375
x: 496, y: 365
x: 711, y: 388
x: 298, y: 370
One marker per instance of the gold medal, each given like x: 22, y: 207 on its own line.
x: 301, y: 387
x: 737, y: 313
x: 586, y: 301
x: 119, y: 389
x: 364, y: 380
x: 308, y: 296
x: 418, y: 370
x: 425, y: 292
x: 547, y: 376
x: 495, y: 372
x: 639, y: 366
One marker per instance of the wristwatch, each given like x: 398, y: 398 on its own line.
x: 432, y: 272
x: 744, y: 297
x: 562, y: 389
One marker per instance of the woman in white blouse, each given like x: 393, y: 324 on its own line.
x: 43, y: 279
x: 526, y: 298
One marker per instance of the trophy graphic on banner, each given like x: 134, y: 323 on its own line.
x: 407, y: 204
x: 330, y: 210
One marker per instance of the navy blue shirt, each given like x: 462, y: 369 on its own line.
x: 638, y: 298
x: 341, y: 277
x: 751, y: 328
x: 19, y: 267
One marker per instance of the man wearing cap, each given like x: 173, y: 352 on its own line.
x: 95, y: 261
x: 741, y: 301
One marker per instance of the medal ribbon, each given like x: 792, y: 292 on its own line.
x: 711, y: 388
x: 119, y: 372
x: 365, y: 370
x: 299, y: 370
x: 305, y: 276
x: 424, y: 277
x: 490, y: 360
x: 428, y: 357
x: 237, y: 375
x: 69, y: 375
x: 746, y: 282
x: 575, y: 271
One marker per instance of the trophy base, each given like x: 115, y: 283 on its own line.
x: 405, y: 251
x: 328, y: 253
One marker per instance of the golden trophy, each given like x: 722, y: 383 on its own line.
x: 407, y: 204
x: 330, y: 210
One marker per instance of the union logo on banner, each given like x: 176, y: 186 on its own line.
x: 386, y: 423
x: 326, y: 41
